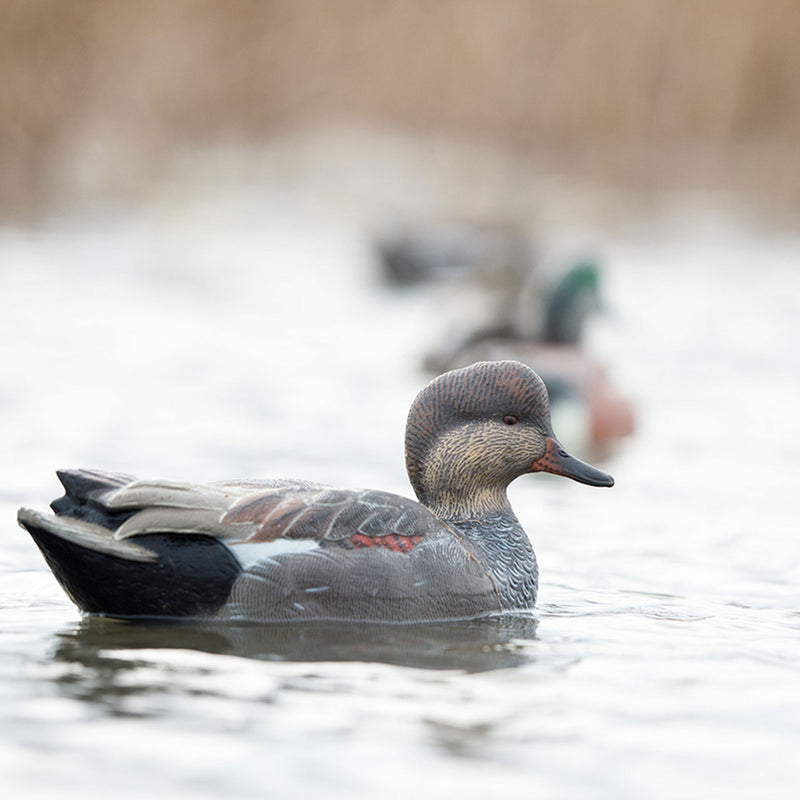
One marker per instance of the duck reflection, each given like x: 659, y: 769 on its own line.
x: 470, y: 646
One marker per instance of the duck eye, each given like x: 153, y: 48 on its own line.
x: 510, y: 419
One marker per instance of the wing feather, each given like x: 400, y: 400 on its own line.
x: 171, y: 494
x: 253, y: 512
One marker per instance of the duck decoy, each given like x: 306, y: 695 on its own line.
x: 570, y: 302
x: 290, y: 550
x: 488, y: 253
x: 592, y: 415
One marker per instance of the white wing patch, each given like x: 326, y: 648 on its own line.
x: 249, y: 554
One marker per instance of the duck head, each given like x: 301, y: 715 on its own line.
x: 472, y: 431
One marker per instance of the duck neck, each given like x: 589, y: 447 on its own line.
x: 464, y: 483
x: 468, y: 504
x: 460, y: 478
x: 499, y: 543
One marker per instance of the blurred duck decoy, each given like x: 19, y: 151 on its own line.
x: 591, y: 414
x: 288, y: 550
x: 442, y: 251
x: 573, y: 298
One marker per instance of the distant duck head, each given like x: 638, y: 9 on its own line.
x: 472, y: 431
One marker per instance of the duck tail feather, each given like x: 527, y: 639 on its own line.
x: 82, y: 534
x: 86, y: 494
x: 88, y: 483
x: 187, y: 576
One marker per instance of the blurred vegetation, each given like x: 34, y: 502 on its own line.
x: 125, y: 83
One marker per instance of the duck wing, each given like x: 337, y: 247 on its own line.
x: 244, y: 512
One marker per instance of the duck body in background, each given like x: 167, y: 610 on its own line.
x: 547, y: 335
x: 293, y: 551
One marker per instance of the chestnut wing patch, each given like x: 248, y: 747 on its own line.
x: 361, y: 518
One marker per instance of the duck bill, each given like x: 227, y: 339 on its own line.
x: 559, y: 462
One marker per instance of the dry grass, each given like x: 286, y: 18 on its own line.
x: 603, y: 74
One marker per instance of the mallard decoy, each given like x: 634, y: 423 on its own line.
x: 591, y: 413
x: 290, y: 550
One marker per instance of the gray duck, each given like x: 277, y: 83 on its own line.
x: 292, y: 551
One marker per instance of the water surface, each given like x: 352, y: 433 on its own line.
x: 232, y: 337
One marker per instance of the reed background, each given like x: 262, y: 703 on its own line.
x: 701, y: 91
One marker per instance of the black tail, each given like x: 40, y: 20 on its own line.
x: 159, y: 575
x: 85, y: 492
